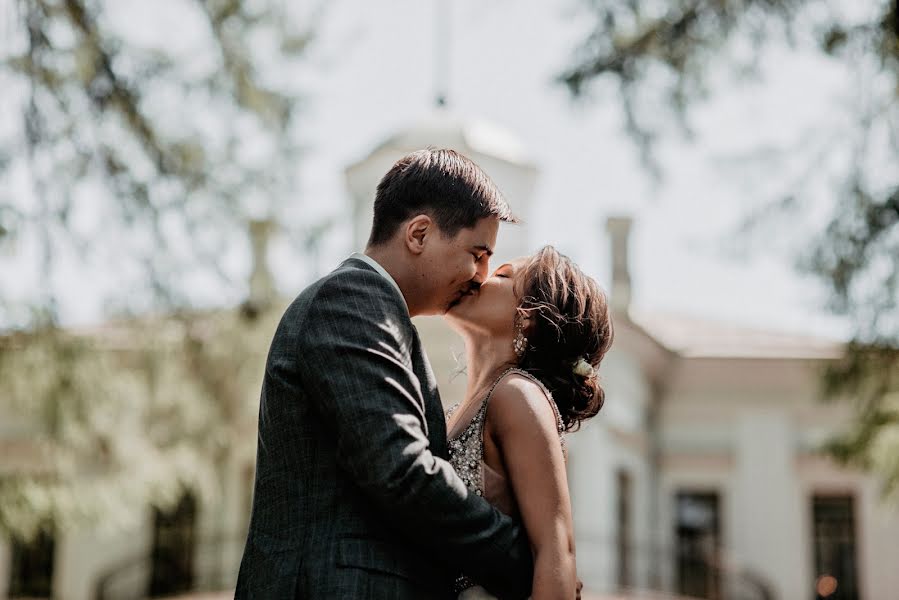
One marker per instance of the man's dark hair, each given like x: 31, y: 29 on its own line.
x: 443, y: 184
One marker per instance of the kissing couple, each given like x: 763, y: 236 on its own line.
x: 364, y: 487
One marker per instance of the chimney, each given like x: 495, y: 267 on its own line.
x: 262, y: 285
x: 619, y: 229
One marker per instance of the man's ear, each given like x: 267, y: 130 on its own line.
x: 416, y: 232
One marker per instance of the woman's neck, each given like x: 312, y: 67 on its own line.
x: 486, y: 358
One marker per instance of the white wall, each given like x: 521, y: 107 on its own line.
x: 5, y: 560
x: 747, y: 429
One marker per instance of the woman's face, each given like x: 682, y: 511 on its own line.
x: 492, y: 308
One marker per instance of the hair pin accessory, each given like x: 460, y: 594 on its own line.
x: 582, y: 368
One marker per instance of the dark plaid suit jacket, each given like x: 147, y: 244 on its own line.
x: 353, y: 496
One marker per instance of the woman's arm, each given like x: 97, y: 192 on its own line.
x: 522, y: 425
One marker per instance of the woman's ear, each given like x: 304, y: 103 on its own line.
x: 416, y: 233
x: 526, y: 321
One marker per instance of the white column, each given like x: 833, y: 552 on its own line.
x: 767, y: 510
x: 592, y: 483
x: 619, y: 230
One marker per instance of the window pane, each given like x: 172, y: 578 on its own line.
x: 624, y: 529
x: 697, y: 535
x: 834, y: 547
x: 174, y: 545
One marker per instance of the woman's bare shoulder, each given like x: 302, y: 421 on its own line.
x: 521, y: 403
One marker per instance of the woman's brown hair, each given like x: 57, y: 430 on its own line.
x: 569, y: 320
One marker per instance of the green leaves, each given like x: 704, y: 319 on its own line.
x: 834, y: 39
x: 139, y: 129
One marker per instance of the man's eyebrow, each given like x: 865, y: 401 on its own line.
x: 485, y: 248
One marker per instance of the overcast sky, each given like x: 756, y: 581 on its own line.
x: 372, y: 72
x: 503, y: 57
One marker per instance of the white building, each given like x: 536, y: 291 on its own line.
x: 708, y: 445
x: 701, y: 474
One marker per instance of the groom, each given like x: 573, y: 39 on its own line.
x: 354, y: 497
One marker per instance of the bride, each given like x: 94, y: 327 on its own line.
x: 535, y: 332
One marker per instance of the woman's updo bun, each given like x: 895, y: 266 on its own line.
x: 569, y: 332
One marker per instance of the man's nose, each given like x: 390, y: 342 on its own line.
x: 481, y: 273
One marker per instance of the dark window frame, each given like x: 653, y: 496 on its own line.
x: 624, y: 507
x: 173, y: 557
x: 31, y: 566
x: 830, y: 537
x: 695, y: 556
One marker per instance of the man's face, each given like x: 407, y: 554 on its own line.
x: 455, y: 265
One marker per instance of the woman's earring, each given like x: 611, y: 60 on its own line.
x: 520, y: 343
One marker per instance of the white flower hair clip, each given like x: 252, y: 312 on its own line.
x: 582, y: 368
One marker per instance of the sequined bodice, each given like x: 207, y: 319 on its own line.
x: 467, y: 450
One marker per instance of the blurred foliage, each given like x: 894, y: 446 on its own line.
x: 659, y: 54
x: 101, y: 424
x: 145, y: 158
x: 148, y: 154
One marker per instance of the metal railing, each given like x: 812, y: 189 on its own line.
x: 706, y: 573
x: 676, y: 573
x: 146, y: 574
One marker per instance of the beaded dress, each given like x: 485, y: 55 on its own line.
x: 466, y: 451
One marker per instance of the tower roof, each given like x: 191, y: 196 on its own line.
x: 469, y: 136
